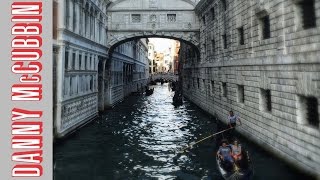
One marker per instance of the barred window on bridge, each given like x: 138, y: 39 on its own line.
x: 171, y: 17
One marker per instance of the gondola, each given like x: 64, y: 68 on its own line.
x: 153, y: 83
x: 177, y: 99
x: 240, y: 170
x: 149, y: 92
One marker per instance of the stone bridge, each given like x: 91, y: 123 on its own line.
x: 133, y: 19
x: 167, y: 76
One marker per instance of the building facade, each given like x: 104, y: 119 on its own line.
x: 129, y: 69
x: 86, y: 78
x: 151, y: 56
x: 260, y: 59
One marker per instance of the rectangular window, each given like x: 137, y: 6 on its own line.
x: 205, y: 50
x: 224, y: 89
x: 66, y: 60
x: 74, y: 60
x: 265, y: 27
x: 308, y: 14
x: 204, y: 20
x: 204, y: 84
x: 212, y: 87
x: 213, y: 47
x: 241, y: 36
x: 198, y: 81
x: 86, y: 62
x: 241, y: 93
x: 194, y: 82
x: 308, y: 111
x: 80, y: 61
x: 224, y: 39
x: 224, y: 5
x: 265, y: 100
x: 171, y: 17
x: 212, y: 13
x: 136, y: 18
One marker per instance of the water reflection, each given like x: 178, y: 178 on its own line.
x: 139, y: 139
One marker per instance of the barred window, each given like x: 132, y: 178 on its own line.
x: 66, y: 60
x: 265, y: 27
x: 241, y: 36
x: 265, y: 100
x: 136, y: 18
x: 171, y: 17
x: 212, y: 13
x: 308, y: 112
x: 224, y: 89
x: 224, y: 41
x: 308, y: 14
x: 241, y: 93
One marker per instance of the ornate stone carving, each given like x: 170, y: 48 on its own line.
x: 78, y: 110
x: 153, y: 3
x: 153, y: 17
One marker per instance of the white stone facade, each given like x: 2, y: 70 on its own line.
x: 152, y: 18
x: 79, y: 45
x: 129, y: 70
x: 84, y: 80
x: 261, y: 60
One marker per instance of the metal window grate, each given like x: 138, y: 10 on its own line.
x: 241, y: 36
x: 312, y: 111
x: 224, y: 38
x: 265, y: 27
x: 136, y: 18
x: 171, y: 17
x: 308, y: 14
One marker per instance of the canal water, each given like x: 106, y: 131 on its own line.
x: 139, y: 139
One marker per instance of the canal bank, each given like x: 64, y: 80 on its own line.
x: 138, y: 139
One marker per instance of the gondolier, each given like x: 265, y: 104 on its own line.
x: 233, y: 119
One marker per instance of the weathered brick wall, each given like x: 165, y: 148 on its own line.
x: 286, y: 63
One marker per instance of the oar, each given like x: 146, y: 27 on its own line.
x: 192, y: 144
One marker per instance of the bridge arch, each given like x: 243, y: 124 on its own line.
x: 131, y: 19
x: 187, y: 40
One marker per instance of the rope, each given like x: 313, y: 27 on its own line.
x: 205, y: 139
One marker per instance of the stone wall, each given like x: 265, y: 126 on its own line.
x: 260, y: 59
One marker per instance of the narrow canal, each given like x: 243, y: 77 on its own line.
x: 138, y: 140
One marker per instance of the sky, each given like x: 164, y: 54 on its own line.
x: 161, y: 44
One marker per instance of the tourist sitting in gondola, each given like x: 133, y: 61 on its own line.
x: 236, y: 150
x: 224, y: 153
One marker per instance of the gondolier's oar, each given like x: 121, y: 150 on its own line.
x: 189, y: 146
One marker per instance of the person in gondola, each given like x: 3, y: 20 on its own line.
x: 232, y: 118
x: 236, y: 150
x: 224, y: 153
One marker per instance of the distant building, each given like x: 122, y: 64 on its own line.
x: 151, y: 55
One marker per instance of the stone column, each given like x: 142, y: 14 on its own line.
x: 76, y: 65
x: 91, y: 26
x: 71, y: 13
x: 60, y: 86
x: 61, y: 13
x: 83, y: 21
x: 70, y: 58
x: 78, y: 25
x: 100, y: 84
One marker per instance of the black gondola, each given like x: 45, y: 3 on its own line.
x: 177, y: 99
x: 149, y: 91
x: 239, y: 170
x: 153, y: 83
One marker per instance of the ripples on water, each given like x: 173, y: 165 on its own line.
x: 139, y: 139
